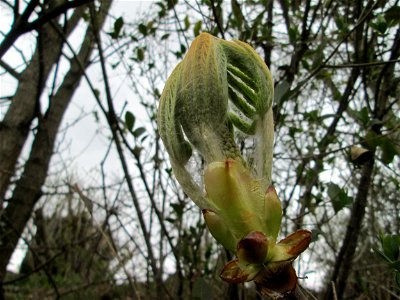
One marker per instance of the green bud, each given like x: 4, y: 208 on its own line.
x: 272, y: 212
x: 240, y: 201
x: 219, y: 229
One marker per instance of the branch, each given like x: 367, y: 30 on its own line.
x: 16, y: 29
x: 151, y: 196
x: 344, y: 259
x: 22, y: 26
x: 361, y: 65
x: 113, y: 123
x: 217, y: 19
x: 53, y: 13
x: 317, y: 69
x: 9, y: 69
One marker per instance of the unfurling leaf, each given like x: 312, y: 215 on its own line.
x: 233, y: 272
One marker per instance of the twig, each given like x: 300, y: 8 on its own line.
x: 317, y: 69
x: 334, y: 290
x: 217, y: 19
x: 17, y: 28
x: 358, y: 65
x: 113, y: 123
x: 9, y: 69
x: 89, y: 206
x: 53, y: 13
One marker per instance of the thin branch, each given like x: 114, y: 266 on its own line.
x: 361, y: 65
x: 151, y: 197
x: 9, y: 69
x: 113, y: 123
x: 22, y: 26
x: 110, y: 243
x: 334, y: 290
x: 42, y: 266
x: 317, y: 69
x: 53, y: 13
x: 16, y: 29
x: 217, y: 19
x: 346, y: 253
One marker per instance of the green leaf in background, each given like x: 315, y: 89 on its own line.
x: 280, y: 90
x: 392, y: 15
x: 178, y: 208
x: 96, y: 116
x: 140, y: 54
x: 162, y: 11
x: 137, y: 150
x: 338, y: 197
x: 341, y: 23
x: 165, y: 36
x: 129, y: 120
x: 170, y: 220
x: 172, y: 3
x: 391, y: 246
x: 237, y: 12
x: 96, y: 92
x: 379, y: 24
x: 117, y: 28
x: 293, y: 34
x: 197, y: 28
x: 390, y: 252
x: 142, y: 29
x: 138, y: 131
x: 363, y: 116
x: 187, y: 23
x: 183, y: 48
x: 312, y: 116
x: 389, y: 150
x: 373, y: 140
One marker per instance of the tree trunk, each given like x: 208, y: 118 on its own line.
x: 28, y: 187
x: 25, y: 105
x: 345, y: 257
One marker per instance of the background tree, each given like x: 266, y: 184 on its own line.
x: 336, y: 70
x: 25, y: 111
